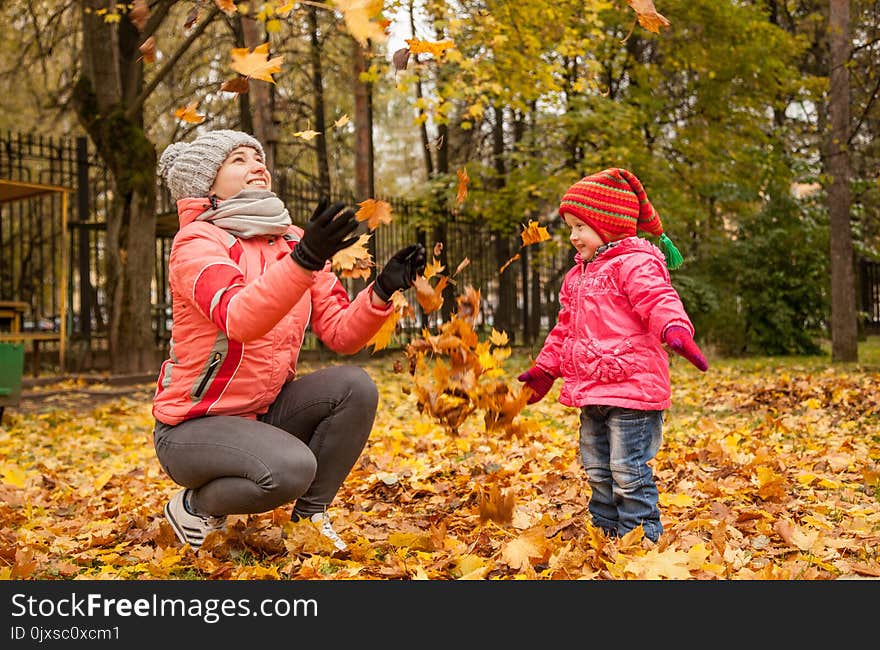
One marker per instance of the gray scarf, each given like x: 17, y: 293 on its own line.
x: 249, y: 213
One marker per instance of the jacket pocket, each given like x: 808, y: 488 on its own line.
x: 209, y: 372
x: 607, y: 364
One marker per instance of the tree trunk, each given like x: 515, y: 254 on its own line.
x: 505, y: 317
x: 323, y: 160
x: 260, y: 93
x: 122, y: 144
x: 844, y: 322
x: 363, y: 127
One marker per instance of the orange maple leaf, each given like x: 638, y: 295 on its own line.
x: 509, y: 262
x: 226, y: 6
x: 354, y: 261
x: 534, y: 233
x: 463, y: 180
x: 374, y: 213
x: 430, y: 297
x: 436, y: 49
x: 188, y: 114
x: 148, y: 49
x: 256, y: 64
x: 432, y: 268
x: 647, y: 15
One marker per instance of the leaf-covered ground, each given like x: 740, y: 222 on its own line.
x: 770, y: 469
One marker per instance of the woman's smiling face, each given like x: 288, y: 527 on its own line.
x: 243, y: 169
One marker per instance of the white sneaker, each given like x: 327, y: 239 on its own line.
x: 190, y: 529
x: 322, y: 521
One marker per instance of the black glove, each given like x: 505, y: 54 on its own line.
x: 325, y: 236
x: 401, y: 270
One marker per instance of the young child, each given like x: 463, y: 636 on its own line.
x: 617, y: 308
x: 236, y: 427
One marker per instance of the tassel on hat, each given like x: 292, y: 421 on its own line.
x: 614, y: 204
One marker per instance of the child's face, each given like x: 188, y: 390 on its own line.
x: 242, y: 169
x: 583, y: 237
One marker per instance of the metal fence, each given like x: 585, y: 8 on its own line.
x: 31, y: 255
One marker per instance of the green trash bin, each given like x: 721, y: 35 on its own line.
x: 11, y: 367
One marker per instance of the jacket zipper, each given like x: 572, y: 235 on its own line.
x: 214, y: 362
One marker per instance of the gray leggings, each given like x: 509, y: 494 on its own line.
x: 302, y: 449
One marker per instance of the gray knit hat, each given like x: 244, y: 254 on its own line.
x: 189, y: 169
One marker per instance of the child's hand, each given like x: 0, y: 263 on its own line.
x: 539, y: 380
x: 681, y: 341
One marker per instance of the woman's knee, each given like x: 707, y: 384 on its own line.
x: 291, y: 476
x: 361, y: 387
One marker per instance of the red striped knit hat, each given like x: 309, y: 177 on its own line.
x: 614, y: 204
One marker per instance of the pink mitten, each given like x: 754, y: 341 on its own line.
x: 681, y: 341
x: 539, y: 380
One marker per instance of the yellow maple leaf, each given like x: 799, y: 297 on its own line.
x: 308, y: 134
x: 382, y: 338
x: 354, y: 261
x: 534, y: 233
x: 655, y: 565
x: 463, y: 180
x: 359, y: 15
x: 374, y: 213
x: 188, y: 114
x: 256, y: 64
x: 436, y: 49
x: 342, y: 121
x: 498, y: 338
x: 647, y: 15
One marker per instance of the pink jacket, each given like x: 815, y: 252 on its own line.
x: 607, y: 342
x: 241, y: 307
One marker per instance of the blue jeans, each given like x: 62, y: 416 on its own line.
x: 615, y: 445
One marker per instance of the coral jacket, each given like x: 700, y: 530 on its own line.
x: 240, y: 310
x: 607, y: 342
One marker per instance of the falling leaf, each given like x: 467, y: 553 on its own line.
x: 509, y: 262
x: 647, y: 15
x: 428, y: 296
x: 148, y: 49
x: 438, y: 249
x: 354, y: 261
x: 432, y: 268
x: 463, y: 180
x: 139, y: 14
x: 359, y: 15
x: 191, y: 17
x: 189, y: 114
x: 400, y: 58
x: 382, y: 338
x: 374, y: 213
x: 342, y: 121
x: 498, y: 338
x: 436, y: 49
x: 533, y: 233
x: 226, y: 6
x: 238, y: 85
x: 256, y: 64
x: 308, y: 134
x: 461, y: 266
